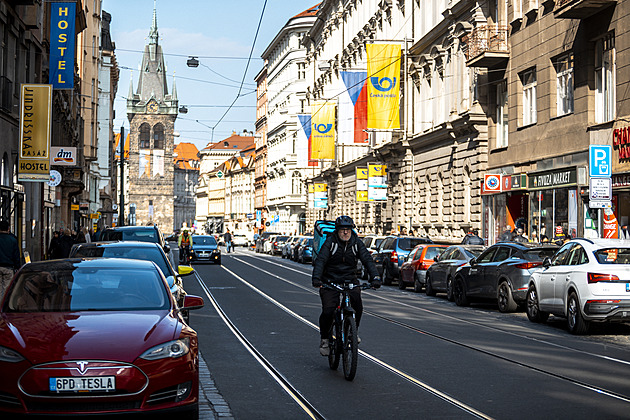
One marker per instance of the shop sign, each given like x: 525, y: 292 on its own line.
x: 621, y: 142
x: 621, y: 180
x: 491, y: 183
x: 514, y: 182
x: 552, y: 179
x: 63, y: 156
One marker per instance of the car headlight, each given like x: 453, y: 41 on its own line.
x: 8, y: 355
x: 172, y: 349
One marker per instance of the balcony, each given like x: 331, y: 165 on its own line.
x: 579, y: 9
x: 487, y: 46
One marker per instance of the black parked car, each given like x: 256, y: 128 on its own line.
x: 135, y: 233
x: 278, y: 244
x: 205, y: 248
x: 501, y: 273
x: 440, y: 275
x: 392, y: 254
x: 305, y: 252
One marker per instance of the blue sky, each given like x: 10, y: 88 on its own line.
x: 208, y: 29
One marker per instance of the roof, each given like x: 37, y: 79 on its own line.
x: 184, y: 154
x: 311, y: 11
x: 234, y: 142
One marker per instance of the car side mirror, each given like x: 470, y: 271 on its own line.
x: 183, y: 270
x: 546, y: 262
x: 473, y: 261
x: 436, y: 258
x: 192, y: 302
x: 167, y: 248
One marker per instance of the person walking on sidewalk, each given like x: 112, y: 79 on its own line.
x: 9, y: 256
x: 472, y: 238
x: 227, y: 237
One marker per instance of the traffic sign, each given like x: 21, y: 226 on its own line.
x: 600, y: 189
x: 600, y: 204
x: 600, y: 161
x: 276, y: 218
x: 219, y: 174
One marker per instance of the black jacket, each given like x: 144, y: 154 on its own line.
x: 471, y: 239
x: 341, y: 266
x: 9, y: 251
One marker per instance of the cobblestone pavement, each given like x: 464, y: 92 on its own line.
x: 211, y: 402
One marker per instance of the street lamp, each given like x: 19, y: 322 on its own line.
x: 183, y: 109
x: 192, y: 62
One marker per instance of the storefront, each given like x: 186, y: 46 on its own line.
x: 505, y: 203
x: 553, y: 199
x: 621, y: 202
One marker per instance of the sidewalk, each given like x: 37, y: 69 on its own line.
x: 211, y: 403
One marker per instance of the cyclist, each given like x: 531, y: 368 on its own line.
x: 184, y: 246
x: 337, y: 263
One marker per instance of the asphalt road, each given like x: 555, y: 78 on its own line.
x: 423, y: 356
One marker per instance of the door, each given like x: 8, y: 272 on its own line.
x: 488, y: 288
x: 546, y: 287
x: 576, y: 256
x: 439, y: 269
x: 477, y: 271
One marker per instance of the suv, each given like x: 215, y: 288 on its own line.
x: 135, y: 233
x: 393, y: 252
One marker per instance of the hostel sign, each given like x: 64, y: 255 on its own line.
x: 61, y: 73
x: 35, y: 110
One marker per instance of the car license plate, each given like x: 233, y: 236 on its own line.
x: 88, y: 383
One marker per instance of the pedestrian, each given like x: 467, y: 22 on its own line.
x: 403, y: 231
x: 97, y: 234
x: 80, y: 237
x: 520, y: 236
x: 9, y: 256
x: 506, y: 236
x: 65, y: 242
x: 472, y: 238
x: 54, y: 248
x: 227, y: 237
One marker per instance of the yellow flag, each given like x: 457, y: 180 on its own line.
x: 323, y: 130
x: 383, y: 86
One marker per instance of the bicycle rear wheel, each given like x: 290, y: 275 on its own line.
x: 350, y: 348
x: 333, y: 356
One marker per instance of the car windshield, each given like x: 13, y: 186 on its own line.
x: 143, y: 253
x: 145, y: 235
x: 538, y: 254
x: 204, y: 240
x: 613, y: 256
x: 378, y: 243
x: 410, y: 243
x: 432, y: 252
x: 87, y: 289
x: 472, y: 253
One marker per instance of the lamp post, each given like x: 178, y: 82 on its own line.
x: 121, y: 204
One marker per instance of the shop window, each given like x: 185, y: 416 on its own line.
x: 605, y: 79
x: 145, y: 136
x: 528, y: 80
x: 502, y: 115
x: 158, y: 136
x: 564, y: 84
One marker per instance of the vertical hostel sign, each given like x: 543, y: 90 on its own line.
x: 61, y: 73
x: 35, y: 115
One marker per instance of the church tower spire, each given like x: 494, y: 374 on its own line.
x: 153, y: 32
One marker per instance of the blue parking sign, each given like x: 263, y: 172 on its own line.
x: 600, y: 161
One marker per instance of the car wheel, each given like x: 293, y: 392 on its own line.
x: 417, y: 286
x: 428, y: 287
x: 533, y: 310
x: 459, y: 292
x: 505, y: 299
x: 387, y: 276
x: 401, y: 283
x: 449, y: 289
x: 218, y: 262
x: 576, y: 323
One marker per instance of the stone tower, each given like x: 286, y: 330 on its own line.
x: 152, y: 111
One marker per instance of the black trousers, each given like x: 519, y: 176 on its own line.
x: 330, y: 301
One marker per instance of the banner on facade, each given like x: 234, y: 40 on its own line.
x: 303, y: 147
x: 61, y: 68
x: 35, y: 120
x: 158, y: 162
x: 320, y: 192
x: 144, y: 163
x: 117, y: 146
x: 362, y: 184
x: 377, y: 182
x: 353, y: 108
x: 383, y: 86
x: 323, y: 130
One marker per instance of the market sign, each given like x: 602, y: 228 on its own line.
x: 552, y: 179
x: 35, y: 120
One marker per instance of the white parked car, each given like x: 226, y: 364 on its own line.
x: 586, y: 280
x: 268, y: 247
x: 240, y: 240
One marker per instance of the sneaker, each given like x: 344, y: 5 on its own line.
x: 324, y: 348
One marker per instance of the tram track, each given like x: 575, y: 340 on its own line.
x: 574, y: 381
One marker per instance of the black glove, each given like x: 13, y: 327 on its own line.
x: 317, y: 283
x: 376, y: 282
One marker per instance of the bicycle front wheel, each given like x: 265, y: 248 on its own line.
x: 350, y: 348
x: 333, y: 355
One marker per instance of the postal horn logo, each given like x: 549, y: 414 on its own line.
x: 493, y: 183
x: 384, y: 84
x: 322, y: 128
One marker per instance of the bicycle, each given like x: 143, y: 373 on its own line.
x: 342, y: 337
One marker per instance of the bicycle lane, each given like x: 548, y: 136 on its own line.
x: 293, y: 346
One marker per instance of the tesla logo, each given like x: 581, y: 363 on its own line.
x: 322, y: 128
x: 82, y: 367
x: 383, y: 84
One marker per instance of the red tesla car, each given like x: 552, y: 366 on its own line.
x: 96, y: 336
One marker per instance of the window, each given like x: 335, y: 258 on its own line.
x: 564, y: 84
x: 502, y: 254
x: 486, y: 257
x: 158, y: 136
x: 145, y: 136
x: 578, y: 256
x: 297, y: 183
x: 301, y: 71
x: 605, y: 79
x: 528, y: 79
x: 502, y: 114
x: 561, y: 256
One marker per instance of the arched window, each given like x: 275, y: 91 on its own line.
x: 427, y: 200
x: 467, y: 192
x: 158, y: 136
x: 145, y: 136
x: 4, y: 170
x: 296, y: 185
x: 440, y: 197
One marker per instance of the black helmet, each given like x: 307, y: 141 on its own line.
x: 344, y: 222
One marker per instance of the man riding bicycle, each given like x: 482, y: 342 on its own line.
x: 337, y: 263
x: 184, y: 246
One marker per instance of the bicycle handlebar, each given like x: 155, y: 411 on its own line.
x: 346, y: 286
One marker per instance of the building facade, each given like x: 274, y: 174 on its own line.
x: 186, y: 177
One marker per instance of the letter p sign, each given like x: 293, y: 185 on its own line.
x: 600, y: 161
